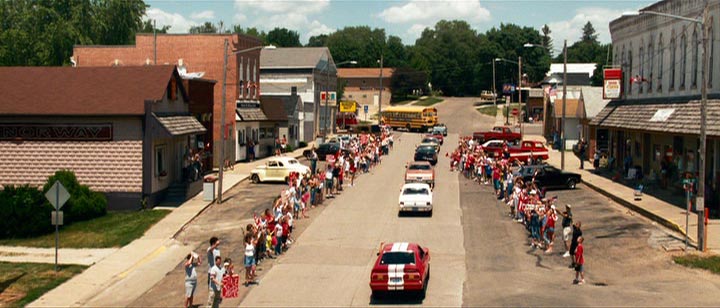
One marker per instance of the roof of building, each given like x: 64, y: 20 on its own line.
x: 674, y: 118
x: 557, y: 68
x: 181, y: 125
x: 574, y: 79
x: 251, y: 114
x: 275, y: 107
x: 571, y: 108
x: 81, y: 90
x: 592, y: 100
x: 294, y: 57
x: 365, y: 72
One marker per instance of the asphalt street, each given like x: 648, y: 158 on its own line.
x: 479, y: 256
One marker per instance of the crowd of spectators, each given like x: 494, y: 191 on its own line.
x: 527, y: 203
x: 271, y: 232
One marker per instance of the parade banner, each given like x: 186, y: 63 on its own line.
x: 230, y: 286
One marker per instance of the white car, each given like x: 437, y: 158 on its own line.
x: 416, y: 197
x: 278, y: 169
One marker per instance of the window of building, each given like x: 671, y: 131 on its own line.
x: 695, y: 57
x: 711, y: 52
x: 651, y: 64
x: 641, y: 64
x: 160, y: 161
x: 673, y: 58
x: 630, y: 68
x: 660, y: 59
x: 683, y: 60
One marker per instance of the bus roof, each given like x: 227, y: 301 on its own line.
x: 407, y: 108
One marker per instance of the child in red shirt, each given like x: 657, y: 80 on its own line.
x: 579, y: 262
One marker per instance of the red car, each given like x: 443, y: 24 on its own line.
x: 401, y: 267
x: 522, y: 151
x: 438, y: 136
x: 498, y: 133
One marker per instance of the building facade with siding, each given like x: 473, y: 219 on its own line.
x: 658, y: 116
x: 124, y: 131
x: 363, y: 86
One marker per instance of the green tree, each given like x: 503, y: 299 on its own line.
x: 361, y: 44
x: 206, y: 27
x: 546, y: 39
x: 404, y: 80
x: 119, y: 20
x: 282, y: 37
x: 589, y: 34
x: 149, y: 27
x: 317, y: 41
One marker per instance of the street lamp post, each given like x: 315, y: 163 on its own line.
x: 700, y: 199
x: 493, y: 85
x: 507, y: 107
x: 222, y: 111
x: 564, y: 101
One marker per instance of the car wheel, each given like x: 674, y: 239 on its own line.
x: 539, y: 161
x: 571, y: 183
x: 287, y: 179
x: 430, y: 213
x: 408, y: 127
x: 255, y: 178
x: 376, y: 294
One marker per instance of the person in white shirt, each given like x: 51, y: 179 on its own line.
x: 216, y: 276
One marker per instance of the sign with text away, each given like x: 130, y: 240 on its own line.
x: 329, y: 96
x: 612, y: 84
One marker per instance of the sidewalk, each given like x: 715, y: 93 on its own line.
x: 664, y: 213
x: 142, y: 263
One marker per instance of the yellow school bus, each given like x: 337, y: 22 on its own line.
x: 410, y: 117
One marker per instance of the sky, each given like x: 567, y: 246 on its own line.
x: 403, y: 18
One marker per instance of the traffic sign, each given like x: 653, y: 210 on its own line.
x: 365, y: 108
x: 57, y: 195
x: 57, y: 218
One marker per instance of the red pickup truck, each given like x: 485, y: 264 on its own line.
x: 520, y: 152
x: 498, y: 133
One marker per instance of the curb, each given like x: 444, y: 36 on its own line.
x: 642, y: 211
x: 182, y: 228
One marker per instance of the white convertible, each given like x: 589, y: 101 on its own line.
x: 278, y: 169
x: 416, y: 197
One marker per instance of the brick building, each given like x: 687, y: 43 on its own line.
x: 193, y: 53
x: 124, y: 131
x: 363, y: 86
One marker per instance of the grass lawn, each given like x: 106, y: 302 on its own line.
x: 711, y: 263
x: 22, y: 283
x: 405, y: 102
x: 488, y: 110
x: 429, y: 101
x: 116, y: 229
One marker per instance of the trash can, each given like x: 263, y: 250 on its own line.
x: 209, y: 187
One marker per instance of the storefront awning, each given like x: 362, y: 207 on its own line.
x: 181, y: 125
x: 251, y: 114
x: 676, y: 118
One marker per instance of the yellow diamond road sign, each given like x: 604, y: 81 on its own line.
x: 57, y: 195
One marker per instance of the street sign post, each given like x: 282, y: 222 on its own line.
x: 688, y: 184
x: 365, y: 109
x: 57, y: 195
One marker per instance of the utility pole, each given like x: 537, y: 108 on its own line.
x: 222, y: 125
x: 700, y: 200
x: 493, y: 85
x: 381, y: 90
x: 327, y: 94
x: 520, y: 92
x: 564, y: 101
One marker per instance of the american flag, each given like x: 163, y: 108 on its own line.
x: 638, y: 79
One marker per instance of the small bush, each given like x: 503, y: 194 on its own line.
x: 84, y: 203
x: 24, y: 212
x: 289, y: 148
x: 302, y: 144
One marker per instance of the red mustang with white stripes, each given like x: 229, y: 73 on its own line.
x: 400, y: 267
x: 520, y: 152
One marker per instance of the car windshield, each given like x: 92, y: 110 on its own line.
x: 415, y: 191
x: 429, y: 140
x: 426, y: 149
x: 419, y: 167
x: 398, y: 257
x: 293, y: 162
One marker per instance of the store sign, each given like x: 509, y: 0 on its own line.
x: 508, y: 88
x: 43, y: 132
x: 612, y: 85
x: 330, y: 97
x: 350, y: 106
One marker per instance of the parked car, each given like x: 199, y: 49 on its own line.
x: 345, y: 119
x: 434, y: 144
x: 420, y: 171
x: 426, y: 153
x: 547, y: 176
x: 325, y: 149
x: 416, y: 197
x: 520, y: 152
x: 437, y: 136
x: 498, y: 133
x: 487, y: 95
x: 400, y: 267
x: 278, y: 169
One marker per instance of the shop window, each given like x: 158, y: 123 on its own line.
x: 673, y: 58
x: 160, y: 161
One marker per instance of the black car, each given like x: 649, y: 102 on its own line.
x: 547, y: 176
x: 325, y: 149
x: 426, y: 153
